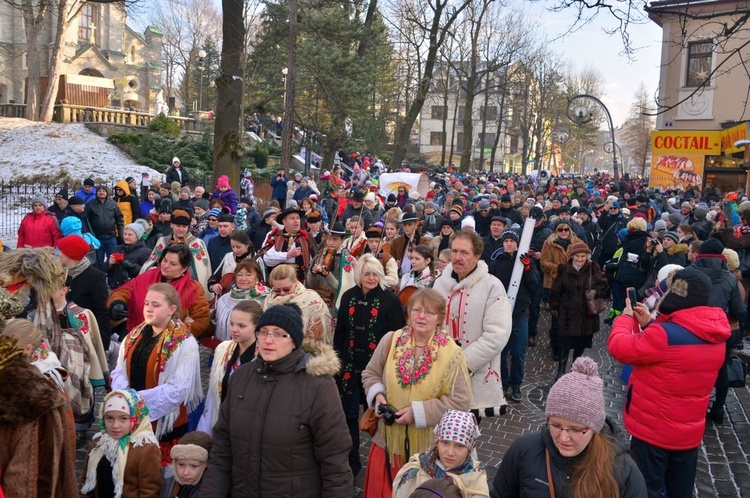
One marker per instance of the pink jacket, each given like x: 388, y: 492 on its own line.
x: 39, y: 230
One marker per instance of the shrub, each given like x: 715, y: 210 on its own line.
x: 162, y: 125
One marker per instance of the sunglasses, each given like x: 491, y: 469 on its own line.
x: 559, y: 230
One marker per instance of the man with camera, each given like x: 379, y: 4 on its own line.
x: 278, y: 184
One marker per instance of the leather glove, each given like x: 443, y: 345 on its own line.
x: 118, y: 310
x: 526, y: 261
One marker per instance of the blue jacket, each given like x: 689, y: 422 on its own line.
x: 279, y: 187
x: 86, y: 197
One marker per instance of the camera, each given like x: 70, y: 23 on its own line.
x: 388, y: 413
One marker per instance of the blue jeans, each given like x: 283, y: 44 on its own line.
x: 519, y: 336
x: 105, y: 250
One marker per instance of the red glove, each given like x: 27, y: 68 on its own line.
x: 526, y: 261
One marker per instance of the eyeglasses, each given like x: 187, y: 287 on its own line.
x: 282, y: 291
x: 560, y: 230
x: 613, y: 208
x: 557, y: 429
x: 276, y: 336
x: 420, y: 311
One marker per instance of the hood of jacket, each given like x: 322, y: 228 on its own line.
x: 677, y: 248
x: 710, y: 323
x: 25, y: 394
x: 124, y: 186
x: 314, y: 358
x: 71, y: 225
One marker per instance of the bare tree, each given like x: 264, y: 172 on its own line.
x: 431, y: 21
x: 636, y: 132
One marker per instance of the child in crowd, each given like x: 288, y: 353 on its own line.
x: 455, y: 437
x: 189, y: 460
x: 124, y: 458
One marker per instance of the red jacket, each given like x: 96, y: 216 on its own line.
x: 38, y: 230
x: 673, y: 374
x: 192, y: 300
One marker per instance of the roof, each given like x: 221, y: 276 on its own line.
x: 698, y: 9
x: 85, y: 48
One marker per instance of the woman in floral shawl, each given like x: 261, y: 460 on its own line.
x: 418, y: 373
x: 247, y: 285
x: 160, y: 360
x: 367, y: 313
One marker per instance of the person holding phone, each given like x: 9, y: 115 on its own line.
x: 278, y: 184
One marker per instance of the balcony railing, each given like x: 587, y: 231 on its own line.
x: 67, y: 113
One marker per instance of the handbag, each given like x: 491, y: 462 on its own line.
x: 595, y: 305
x: 368, y: 422
x: 736, y: 371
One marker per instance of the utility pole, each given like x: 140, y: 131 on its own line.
x: 287, y: 122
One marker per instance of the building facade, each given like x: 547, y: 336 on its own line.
x: 703, y: 91
x: 103, y: 56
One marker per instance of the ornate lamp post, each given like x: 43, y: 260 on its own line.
x: 580, y: 111
x: 561, y: 135
x: 201, y: 66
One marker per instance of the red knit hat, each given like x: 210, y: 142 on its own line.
x: 74, y: 247
x: 430, y: 195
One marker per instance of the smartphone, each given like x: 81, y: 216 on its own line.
x: 632, y: 296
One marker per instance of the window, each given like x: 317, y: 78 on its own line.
x: 459, y: 145
x: 437, y: 138
x: 489, y: 112
x: 699, y: 54
x: 86, y: 22
x: 460, y: 117
x: 514, y: 145
x: 438, y: 112
x: 486, y: 139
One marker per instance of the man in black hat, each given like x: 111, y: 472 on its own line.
x: 493, y: 241
x: 482, y: 217
x: 403, y: 244
x: 325, y: 276
x: 200, y: 267
x: 133, y: 190
x: 290, y: 244
x: 88, y: 191
x: 356, y: 208
x: 61, y: 207
x: 78, y: 209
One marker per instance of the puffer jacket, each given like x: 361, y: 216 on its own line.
x: 554, y: 255
x: 281, y: 431
x: 673, y: 374
x: 38, y: 230
x: 128, y: 203
x: 523, y: 471
x: 725, y: 292
x: 104, y: 218
x: 135, y: 255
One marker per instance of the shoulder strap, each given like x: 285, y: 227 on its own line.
x: 549, y: 474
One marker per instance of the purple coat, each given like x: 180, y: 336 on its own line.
x: 229, y: 198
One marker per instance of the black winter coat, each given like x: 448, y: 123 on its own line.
x: 89, y: 290
x: 218, y: 247
x: 634, y: 273
x: 610, y: 226
x: 104, y: 217
x: 502, y: 268
x: 281, y: 431
x: 490, y: 246
x: 258, y: 234
x: 568, y: 297
x: 135, y: 255
x: 173, y: 176
x: 523, y: 471
x: 725, y: 292
x: 702, y: 229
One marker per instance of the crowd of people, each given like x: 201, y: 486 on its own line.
x: 338, y: 310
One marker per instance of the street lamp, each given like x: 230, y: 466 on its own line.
x: 201, y: 63
x: 580, y: 111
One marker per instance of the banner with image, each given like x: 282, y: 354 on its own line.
x: 676, y: 171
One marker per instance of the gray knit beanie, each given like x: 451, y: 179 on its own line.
x: 137, y: 229
x: 579, y: 395
x: 38, y: 200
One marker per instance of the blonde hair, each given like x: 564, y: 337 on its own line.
x: 26, y: 332
x: 637, y: 224
x: 429, y: 298
x: 283, y: 272
x: 371, y: 262
x: 169, y: 293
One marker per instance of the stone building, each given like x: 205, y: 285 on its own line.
x: 106, y: 62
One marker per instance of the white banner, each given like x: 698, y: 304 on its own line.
x: 390, y: 182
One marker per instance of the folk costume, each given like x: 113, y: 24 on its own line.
x: 165, y: 370
x: 470, y: 477
x: 200, y: 266
x: 227, y: 359
x: 420, y: 279
x: 430, y: 380
x: 316, y: 318
x: 279, y: 242
x: 388, y: 262
x: 128, y: 466
x: 356, y: 245
x: 193, y: 302
x: 336, y: 278
x: 226, y: 303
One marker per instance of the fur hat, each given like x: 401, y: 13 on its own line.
x: 687, y: 289
x: 468, y: 222
x: 180, y: 217
x: 578, y: 396
x: 192, y: 446
x: 733, y: 259
x: 578, y: 248
x: 74, y: 246
x: 137, y: 228
x: 287, y: 317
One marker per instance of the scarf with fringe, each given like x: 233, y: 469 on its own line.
x: 116, y: 450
